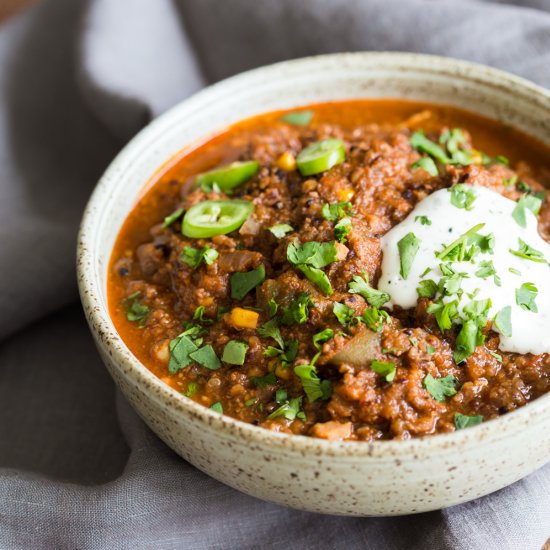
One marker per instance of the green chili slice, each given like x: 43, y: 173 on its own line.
x: 230, y: 176
x: 209, y: 218
x: 321, y: 156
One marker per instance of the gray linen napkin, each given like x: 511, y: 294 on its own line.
x: 77, y: 80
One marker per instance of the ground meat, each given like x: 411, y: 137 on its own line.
x: 357, y: 403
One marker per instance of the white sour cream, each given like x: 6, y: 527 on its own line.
x: 530, y: 331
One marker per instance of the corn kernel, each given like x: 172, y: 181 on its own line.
x: 345, y: 194
x: 477, y: 157
x: 243, y: 318
x: 287, y: 162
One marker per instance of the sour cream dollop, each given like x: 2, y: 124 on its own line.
x: 436, y: 223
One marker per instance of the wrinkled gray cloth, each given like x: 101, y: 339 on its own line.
x: 77, y: 80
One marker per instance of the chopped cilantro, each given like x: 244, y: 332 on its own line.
x: 528, y: 253
x: 458, y: 251
x: 360, y: 285
x: 427, y: 164
x: 264, y: 381
x: 424, y: 220
x: 430, y: 350
x: 514, y: 271
x: 310, y: 381
x: 135, y: 310
x: 343, y: 313
x: 279, y: 230
x: 440, y: 388
x: 310, y: 257
x: 298, y: 310
x: 234, y: 352
x: 462, y: 421
x: 281, y: 395
x: 444, y: 313
x: 206, y: 356
x: 462, y: 196
x: 427, y: 289
x: 342, y: 229
x: 375, y: 318
x: 271, y: 330
x: 290, y: 410
x: 199, y: 316
x: 495, y: 355
x: 502, y: 322
x: 272, y: 307
x: 510, y: 182
x: 169, y: 220
x: 217, y: 407
x: 181, y: 348
x: 243, y: 283
x: 191, y: 390
x: 526, y: 202
x: 193, y: 257
x: 384, y: 368
x: 525, y: 297
x: 336, y: 211
x: 298, y: 118
x: 322, y: 337
x: 408, y: 247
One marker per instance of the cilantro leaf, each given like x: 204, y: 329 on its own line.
x: 264, y: 381
x: 318, y: 277
x: 525, y: 297
x: 385, y: 369
x: 375, y: 318
x: 217, y: 407
x: 343, y: 313
x: 458, y: 251
x: 526, y: 202
x: 272, y: 307
x: 427, y: 289
x: 444, y: 313
x: 528, y: 253
x: 408, y: 247
x: 298, y: 118
x: 463, y: 421
x: 271, y: 330
x: 310, y: 381
x: 206, y: 356
x: 135, y: 310
x: 360, y: 285
x: 462, y: 196
x: 440, y: 388
x: 335, y: 211
x: 342, y: 229
x: 279, y: 230
x: 199, y: 316
x: 234, y: 352
x: 243, y: 283
x: 322, y: 337
x: 290, y: 410
x: 466, y: 341
x: 502, y: 322
x: 312, y: 253
x: 423, y: 220
x: 193, y: 257
x: 180, y: 349
x: 298, y: 310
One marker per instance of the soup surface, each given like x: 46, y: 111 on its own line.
x: 352, y: 271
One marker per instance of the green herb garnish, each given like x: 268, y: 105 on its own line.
x: 322, y: 337
x: 360, y: 285
x: 343, y: 313
x: 279, y: 230
x: 290, y: 410
x: 206, y: 356
x: 264, y: 381
x: 234, y: 352
x: 336, y: 211
x: 427, y: 164
x: 384, y: 368
x: 462, y: 421
x: 408, y: 247
x: 135, y: 310
x: 375, y: 318
x: 298, y: 118
x: 462, y: 196
x: 424, y: 220
x: 440, y: 388
x: 169, y: 220
x: 528, y: 253
x: 298, y: 309
x: 193, y: 257
x: 527, y: 202
x: 525, y: 297
x: 427, y: 289
x: 502, y: 322
x: 310, y: 257
x: 217, y: 407
x: 243, y: 283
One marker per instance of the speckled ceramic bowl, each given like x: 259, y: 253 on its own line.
x: 381, y: 478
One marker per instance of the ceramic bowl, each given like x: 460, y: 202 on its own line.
x: 350, y: 478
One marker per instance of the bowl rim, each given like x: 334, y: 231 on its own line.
x: 107, y: 336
